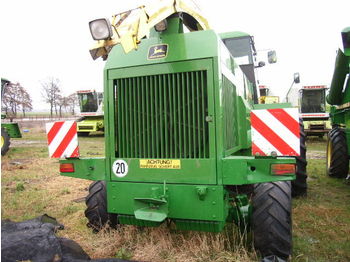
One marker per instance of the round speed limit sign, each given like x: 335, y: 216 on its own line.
x: 120, y: 168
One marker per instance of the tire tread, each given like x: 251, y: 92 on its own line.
x: 272, y: 219
x: 339, y: 162
x: 96, y: 211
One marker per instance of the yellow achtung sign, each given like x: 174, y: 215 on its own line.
x: 160, y: 163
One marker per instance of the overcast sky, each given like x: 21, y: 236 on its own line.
x: 43, y: 38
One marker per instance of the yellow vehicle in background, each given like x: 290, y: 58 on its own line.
x: 91, y: 112
x: 311, y: 101
x: 313, y: 110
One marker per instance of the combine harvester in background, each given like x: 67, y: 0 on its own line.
x: 311, y: 101
x: 186, y: 140
x: 338, y: 145
x: 8, y: 130
x: 91, y: 112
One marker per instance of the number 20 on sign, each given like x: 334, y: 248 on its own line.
x: 120, y: 168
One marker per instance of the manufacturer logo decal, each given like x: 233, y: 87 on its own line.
x: 158, y: 51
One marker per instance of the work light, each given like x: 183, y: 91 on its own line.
x: 100, y: 29
x: 161, y: 26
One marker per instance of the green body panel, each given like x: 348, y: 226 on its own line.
x: 90, y: 124
x: 87, y: 168
x: 239, y: 170
x: 233, y: 34
x: 199, y: 171
x: 131, y: 220
x: 199, y: 225
x: 339, y: 93
x: 192, y: 106
x: 12, y: 129
x: 236, y: 170
x: 181, y: 200
x: 341, y: 69
x: 272, y: 106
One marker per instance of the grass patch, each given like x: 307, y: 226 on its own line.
x: 321, y: 222
x: 32, y: 186
x: 19, y: 186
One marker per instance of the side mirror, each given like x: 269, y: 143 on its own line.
x: 260, y: 64
x: 346, y: 37
x: 296, y: 78
x: 272, y: 57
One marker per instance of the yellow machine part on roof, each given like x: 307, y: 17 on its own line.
x: 131, y: 26
x: 269, y: 99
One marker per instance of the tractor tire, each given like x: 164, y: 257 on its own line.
x: 5, y: 141
x: 271, y: 219
x: 299, y: 185
x: 96, y: 211
x: 337, y: 154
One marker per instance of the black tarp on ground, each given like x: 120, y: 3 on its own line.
x: 35, y: 240
x: 272, y: 258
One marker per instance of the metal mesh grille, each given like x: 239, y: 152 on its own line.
x: 162, y: 116
x: 229, y: 97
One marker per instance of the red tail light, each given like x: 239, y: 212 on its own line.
x: 67, y: 168
x: 282, y: 169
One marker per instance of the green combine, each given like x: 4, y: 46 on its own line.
x: 178, y: 133
x: 338, y: 146
x: 8, y: 130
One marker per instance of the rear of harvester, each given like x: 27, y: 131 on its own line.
x: 178, y: 144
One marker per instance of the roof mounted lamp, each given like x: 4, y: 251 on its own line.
x: 101, y: 29
x: 130, y: 27
x: 161, y: 26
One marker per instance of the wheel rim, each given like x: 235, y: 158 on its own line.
x: 329, y: 153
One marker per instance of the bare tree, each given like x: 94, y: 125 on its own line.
x: 5, y: 97
x: 63, y: 103
x: 14, y: 98
x: 72, y: 102
x: 11, y: 98
x: 26, y: 102
x: 51, y: 92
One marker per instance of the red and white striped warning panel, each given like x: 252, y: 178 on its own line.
x: 62, y: 139
x: 275, y: 132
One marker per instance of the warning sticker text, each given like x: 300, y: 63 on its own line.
x: 160, y: 163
